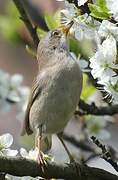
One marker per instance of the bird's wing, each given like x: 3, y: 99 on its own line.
x: 35, y: 91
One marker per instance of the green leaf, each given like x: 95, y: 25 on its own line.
x: 103, y: 5
x: 98, y: 12
x: 9, y: 32
x: 30, y: 51
x: 87, y: 89
x: 41, y: 32
x: 53, y: 21
x: 74, y: 46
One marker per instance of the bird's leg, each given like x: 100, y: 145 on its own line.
x: 41, y: 160
x: 65, y: 147
x: 78, y: 170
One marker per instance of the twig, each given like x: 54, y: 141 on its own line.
x: 92, y: 156
x: 78, y: 144
x: 93, y: 109
x: 24, y: 17
x: 23, y: 167
x: 86, y: 146
x: 35, y: 14
x: 105, y: 153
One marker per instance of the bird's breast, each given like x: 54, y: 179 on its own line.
x: 60, y: 95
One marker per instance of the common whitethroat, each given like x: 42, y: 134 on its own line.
x: 56, y: 90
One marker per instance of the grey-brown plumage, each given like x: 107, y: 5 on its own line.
x: 57, y: 87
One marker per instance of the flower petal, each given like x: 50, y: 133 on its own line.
x: 23, y: 153
x: 16, y: 80
x: 81, y: 2
x: 6, y: 140
x: 10, y: 152
x: 33, y: 154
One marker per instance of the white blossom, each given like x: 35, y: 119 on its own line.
x: 104, y: 59
x: 113, y: 7
x: 32, y: 154
x: 4, y: 84
x: 84, y: 64
x: 103, y: 64
x: 6, y: 141
x: 81, y: 2
x: 11, y: 89
x: 16, y: 80
x: 107, y: 28
x: 82, y: 28
x: 112, y: 91
x: 10, y: 177
x: 68, y: 13
x: 111, y: 88
x: 17, y: 90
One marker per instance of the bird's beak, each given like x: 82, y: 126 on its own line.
x: 66, y: 28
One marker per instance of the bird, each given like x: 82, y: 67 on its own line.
x: 56, y: 90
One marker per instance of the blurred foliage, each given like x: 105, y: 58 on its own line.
x: 96, y: 125
x: 53, y: 21
x: 88, y: 89
x: 30, y: 51
x: 10, y: 24
x: 27, y: 141
x: 81, y: 47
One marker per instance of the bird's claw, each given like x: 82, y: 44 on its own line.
x: 41, y: 161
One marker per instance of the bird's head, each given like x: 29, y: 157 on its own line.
x: 55, y: 39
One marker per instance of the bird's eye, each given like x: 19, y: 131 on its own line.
x: 55, y: 33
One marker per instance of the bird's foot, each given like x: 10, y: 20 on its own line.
x: 41, y: 161
x: 76, y: 166
x: 72, y: 160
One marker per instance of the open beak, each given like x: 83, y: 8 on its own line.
x: 66, y: 28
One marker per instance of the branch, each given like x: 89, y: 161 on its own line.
x: 99, y: 86
x: 93, y: 109
x: 27, y: 22
x: 86, y: 146
x: 35, y: 14
x: 23, y: 167
x: 106, y: 155
x: 79, y: 144
x: 84, y: 8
